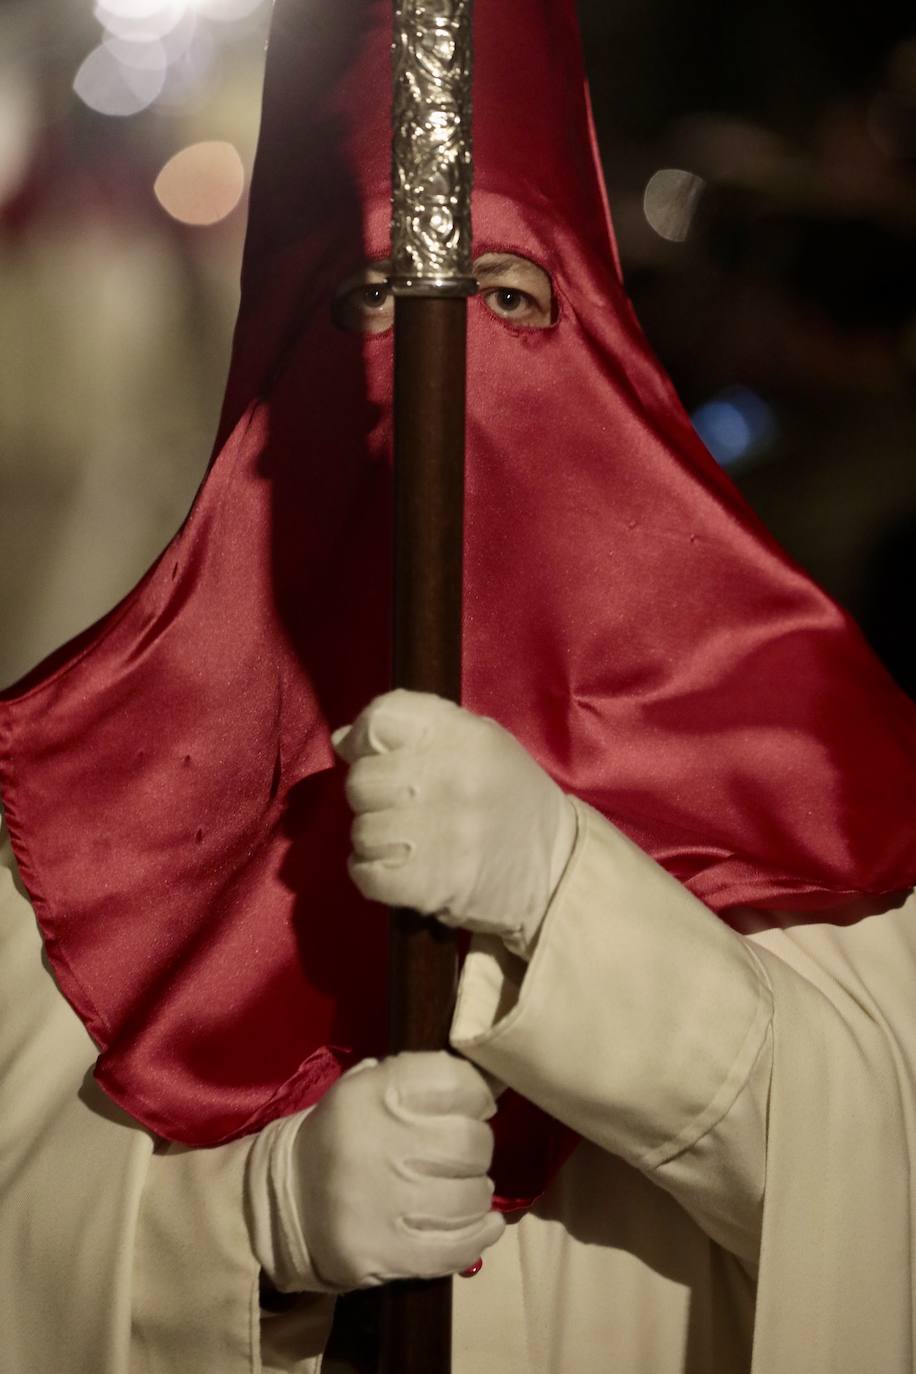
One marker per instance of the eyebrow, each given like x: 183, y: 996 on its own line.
x: 499, y: 266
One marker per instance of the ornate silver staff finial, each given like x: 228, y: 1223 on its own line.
x: 432, y: 163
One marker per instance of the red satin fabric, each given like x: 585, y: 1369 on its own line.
x: 168, y: 779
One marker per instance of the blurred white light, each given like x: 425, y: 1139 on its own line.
x: 154, y: 20
x: 144, y: 57
x: 134, y: 9
x: 227, y: 11
x: 179, y: 38
x: 736, y: 425
x: 202, y: 184
x: 188, y: 71
x: 670, y: 201
x: 112, y: 88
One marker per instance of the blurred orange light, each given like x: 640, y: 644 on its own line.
x: 202, y: 184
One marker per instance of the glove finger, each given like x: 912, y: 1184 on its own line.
x: 452, y: 1147
x: 383, y: 837
x: 449, y: 1204
x: 339, y: 739
x: 478, y: 1239
x: 385, y: 781
x: 393, y: 877
x: 436, y: 1253
x: 393, y: 721
x: 390, y: 860
x: 439, y: 1084
x: 378, y: 881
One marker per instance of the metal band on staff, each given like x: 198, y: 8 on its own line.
x: 432, y: 165
x: 432, y: 277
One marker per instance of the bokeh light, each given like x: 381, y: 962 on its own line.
x: 670, y: 201
x: 141, y: 24
x: 111, y: 87
x: 202, y: 184
x: 188, y: 72
x: 148, y: 56
x: 227, y: 11
x: 137, y: 9
x: 736, y: 425
x: 173, y: 42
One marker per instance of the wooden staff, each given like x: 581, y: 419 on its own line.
x: 432, y: 277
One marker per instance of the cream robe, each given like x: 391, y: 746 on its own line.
x: 727, y: 1088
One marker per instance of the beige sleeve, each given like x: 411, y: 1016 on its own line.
x: 644, y: 1023
x: 768, y: 1083
x: 121, y: 1254
x: 835, y: 1294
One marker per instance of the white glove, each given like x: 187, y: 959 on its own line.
x: 390, y: 1173
x: 453, y: 817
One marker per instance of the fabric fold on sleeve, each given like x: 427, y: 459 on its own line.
x: 641, y: 1015
x: 195, y: 1303
x: 838, y: 1224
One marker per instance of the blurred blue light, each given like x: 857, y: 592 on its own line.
x: 735, y: 425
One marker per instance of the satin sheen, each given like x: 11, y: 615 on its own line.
x: 168, y: 779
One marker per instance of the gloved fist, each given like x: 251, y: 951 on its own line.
x: 391, y: 1172
x: 453, y: 817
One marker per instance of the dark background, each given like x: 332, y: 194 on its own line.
x: 761, y: 159
x: 797, y: 278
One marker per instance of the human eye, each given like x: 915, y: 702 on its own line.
x: 511, y: 303
x: 373, y: 297
x: 516, y: 290
x: 364, y: 303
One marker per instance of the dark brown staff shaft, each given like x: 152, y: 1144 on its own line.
x: 430, y: 349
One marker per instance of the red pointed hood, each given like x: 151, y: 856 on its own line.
x: 168, y: 779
